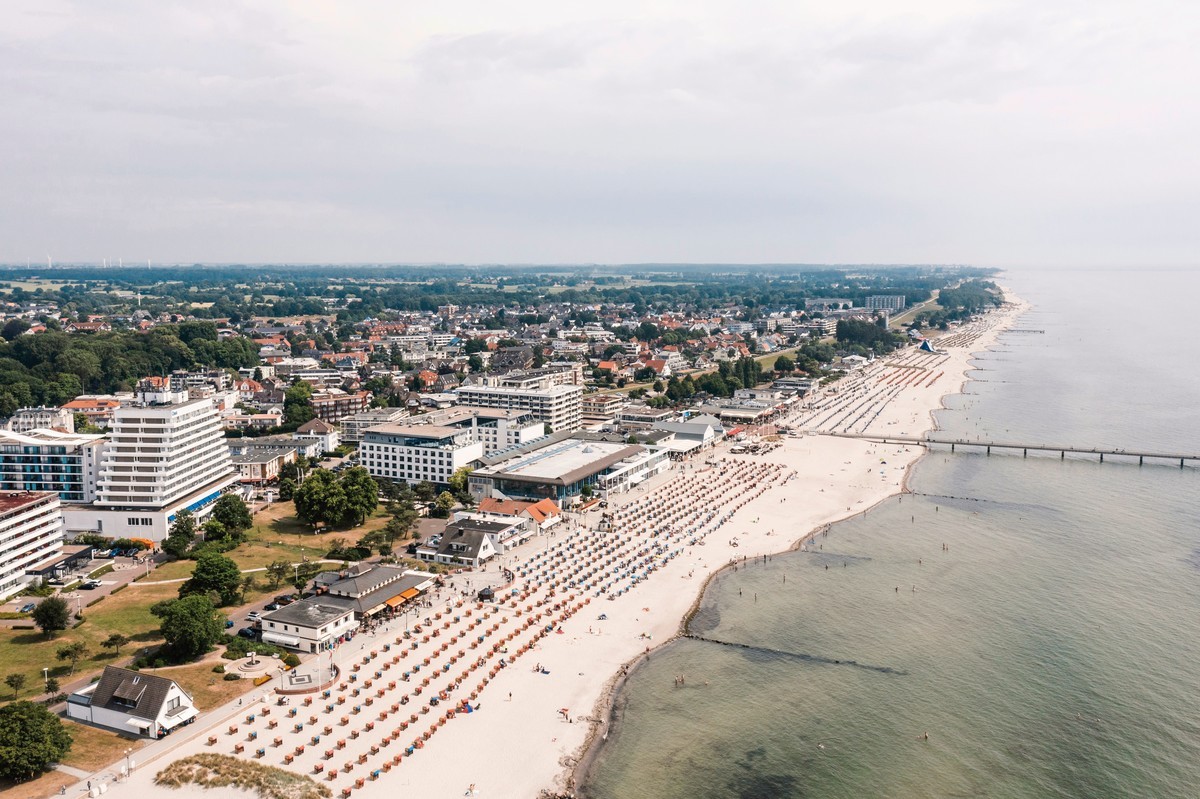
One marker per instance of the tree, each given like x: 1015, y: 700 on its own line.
x: 115, y: 642
x: 231, y: 511
x: 181, y: 535
x: 459, y: 481
x: 52, y: 688
x: 16, y: 682
x: 277, y: 572
x: 304, y: 572
x: 362, y: 495
x: 214, y: 574
x: 425, y: 491
x: 297, y: 405
x: 31, y: 739
x: 73, y: 652
x: 444, y: 504
x: 190, y: 625
x: 320, y: 498
x: 51, y: 615
x: 475, y: 363
x: 784, y: 364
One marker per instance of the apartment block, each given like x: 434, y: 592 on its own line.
x: 49, y: 460
x: 31, y: 531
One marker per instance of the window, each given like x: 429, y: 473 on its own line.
x: 172, y: 704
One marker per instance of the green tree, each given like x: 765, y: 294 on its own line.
x: 425, y: 491
x: 214, y: 530
x: 362, y: 495
x: 784, y: 364
x: 51, y: 615
x: 232, y: 512
x: 475, y: 363
x: 320, y: 499
x: 297, y: 405
x: 277, y: 572
x: 73, y: 652
x: 459, y: 482
x: 304, y: 572
x: 31, y: 739
x: 115, y: 642
x: 444, y: 504
x: 190, y: 625
x: 182, y: 534
x: 52, y: 687
x: 214, y: 574
x: 16, y: 682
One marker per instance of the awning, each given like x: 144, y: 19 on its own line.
x: 409, y: 594
x: 396, y: 601
x: 181, y: 717
x: 285, y: 640
x: 140, y: 724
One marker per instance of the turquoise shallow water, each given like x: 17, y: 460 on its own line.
x: 1044, y: 629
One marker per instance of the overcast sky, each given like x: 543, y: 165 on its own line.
x: 1061, y: 132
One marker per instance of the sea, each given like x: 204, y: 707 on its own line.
x: 1017, y: 627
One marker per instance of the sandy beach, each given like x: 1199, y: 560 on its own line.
x: 537, y: 667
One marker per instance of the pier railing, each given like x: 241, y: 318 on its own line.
x: 1009, y: 446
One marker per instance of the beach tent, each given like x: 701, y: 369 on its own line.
x: 925, y: 345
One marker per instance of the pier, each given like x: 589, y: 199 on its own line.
x: 1008, y: 446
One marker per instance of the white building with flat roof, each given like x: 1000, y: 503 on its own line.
x: 31, y: 531
x: 416, y: 453
x: 50, y: 460
x: 497, y: 428
x: 558, y: 405
x: 159, y: 459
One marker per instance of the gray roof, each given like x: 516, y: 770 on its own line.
x: 146, y: 692
x: 313, y: 613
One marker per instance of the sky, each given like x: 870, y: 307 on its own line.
x: 991, y: 133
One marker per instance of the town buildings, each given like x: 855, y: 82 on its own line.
x: 310, y: 625
x: 543, y: 393
x: 26, y: 419
x: 416, y: 453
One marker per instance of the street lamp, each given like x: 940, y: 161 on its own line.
x: 46, y: 677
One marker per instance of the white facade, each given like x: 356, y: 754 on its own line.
x: 160, y: 454
x: 497, y: 429
x: 559, y: 406
x: 50, y: 460
x: 416, y: 453
x: 31, y: 531
x: 26, y: 419
x: 133, y: 703
x: 308, y: 625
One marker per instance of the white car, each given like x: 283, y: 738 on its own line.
x: 253, y: 615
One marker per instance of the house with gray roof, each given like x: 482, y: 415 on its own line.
x: 133, y: 702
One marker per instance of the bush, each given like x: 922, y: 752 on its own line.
x: 291, y: 660
x: 219, y: 669
x: 231, y: 677
x: 237, y: 647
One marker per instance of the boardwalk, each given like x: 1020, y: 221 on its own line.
x: 1062, y: 451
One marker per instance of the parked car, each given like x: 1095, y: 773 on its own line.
x: 28, y: 607
x: 249, y: 633
x: 285, y: 599
x: 228, y: 623
x: 88, y: 585
x: 254, y: 615
x: 271, y: 607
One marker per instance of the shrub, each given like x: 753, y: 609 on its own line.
x: 231, y: 677
x: 219, y: 668
x: 291, y: 660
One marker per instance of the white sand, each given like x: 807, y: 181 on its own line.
x: 517, y: 748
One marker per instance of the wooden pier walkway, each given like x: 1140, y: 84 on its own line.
x: 988, y: 446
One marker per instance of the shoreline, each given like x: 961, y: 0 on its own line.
x: 606, y: 707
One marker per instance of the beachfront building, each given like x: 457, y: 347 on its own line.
x: 544, y: 513
x: 416, y: 453
x: 467, y: 542
x: 50, y: 460
x: 31, y: 532
x: 601, y: 408
x: 564, y: 468
x: 133, y: 703
x: 310, y: 625
x: 159, y: 459
x: 369, y: 590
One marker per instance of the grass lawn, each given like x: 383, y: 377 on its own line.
x: 94, y: 748
x: 278, y: 535
x: 208, y: 689
x: 128, y: 612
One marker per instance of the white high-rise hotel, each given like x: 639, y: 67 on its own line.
x: 159, y: 459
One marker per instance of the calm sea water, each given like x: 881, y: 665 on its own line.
x: 1043, y: 628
